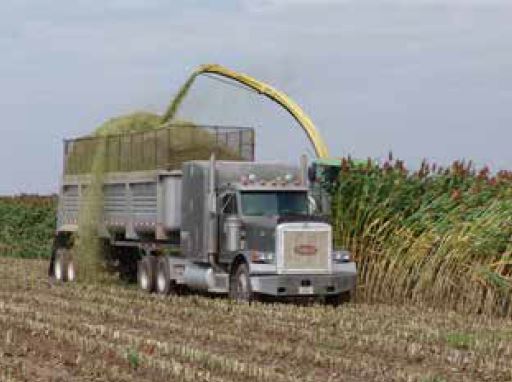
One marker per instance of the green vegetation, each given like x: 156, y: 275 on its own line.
x: 433, y: 379
x: 26, y: 226
x: 462, y: 341
x: 437, y: 236
x: 131, y: 123
x: 133, y: 358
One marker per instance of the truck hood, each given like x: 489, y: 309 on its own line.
x: 260, y: 231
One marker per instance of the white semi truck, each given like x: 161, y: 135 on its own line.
x: 238, y: 227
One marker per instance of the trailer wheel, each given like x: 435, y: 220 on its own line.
x: 240, y: 284
x: 146, y: 273
x: 164, y: 285
x: 58, y: 265
x: 64, y: 266
x: 70, y: 268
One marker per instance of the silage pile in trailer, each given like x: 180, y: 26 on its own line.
x: 136, y: 142
x: 440, y: 237
x: 139, y: 142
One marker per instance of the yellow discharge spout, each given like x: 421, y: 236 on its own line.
x: 275, y: 95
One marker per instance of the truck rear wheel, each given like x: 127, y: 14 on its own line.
x: 240, y: 284
x: 146, y: 268
x: 64, y: 266
x: 164, y: 285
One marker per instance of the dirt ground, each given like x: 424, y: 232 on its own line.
x: 77, y: 332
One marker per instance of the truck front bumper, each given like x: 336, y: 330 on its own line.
x: 343, y: 279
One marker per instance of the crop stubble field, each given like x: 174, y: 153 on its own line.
x: 77, y: 332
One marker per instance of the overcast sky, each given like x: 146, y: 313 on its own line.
x: 426, y: 79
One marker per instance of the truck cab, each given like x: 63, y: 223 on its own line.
x: 288, y: 250
x: 261, y: 231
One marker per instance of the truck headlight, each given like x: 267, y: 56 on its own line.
x: 262, y: 257
x: 342, y: 256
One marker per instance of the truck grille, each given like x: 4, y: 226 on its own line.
x: 306, y: 249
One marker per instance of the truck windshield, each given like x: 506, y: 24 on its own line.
x: 260, y: 203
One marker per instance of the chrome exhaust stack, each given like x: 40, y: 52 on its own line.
x: 213, y: 245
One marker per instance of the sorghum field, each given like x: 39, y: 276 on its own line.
x: 435, y: 236
x: 434, y: 253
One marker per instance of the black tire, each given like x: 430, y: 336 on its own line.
x: 70, y: 267
x: 338, y: 299
x: 64, y: 269
x: 240, y: 284
x: 59, y: 265
x: 146, y: 269
x: 163, y: 283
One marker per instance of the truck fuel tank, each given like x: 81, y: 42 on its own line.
x: 199, y: 277
x: 203, y: 277
x: 232, y: 228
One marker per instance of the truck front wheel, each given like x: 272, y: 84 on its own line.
x: 240, y: 284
